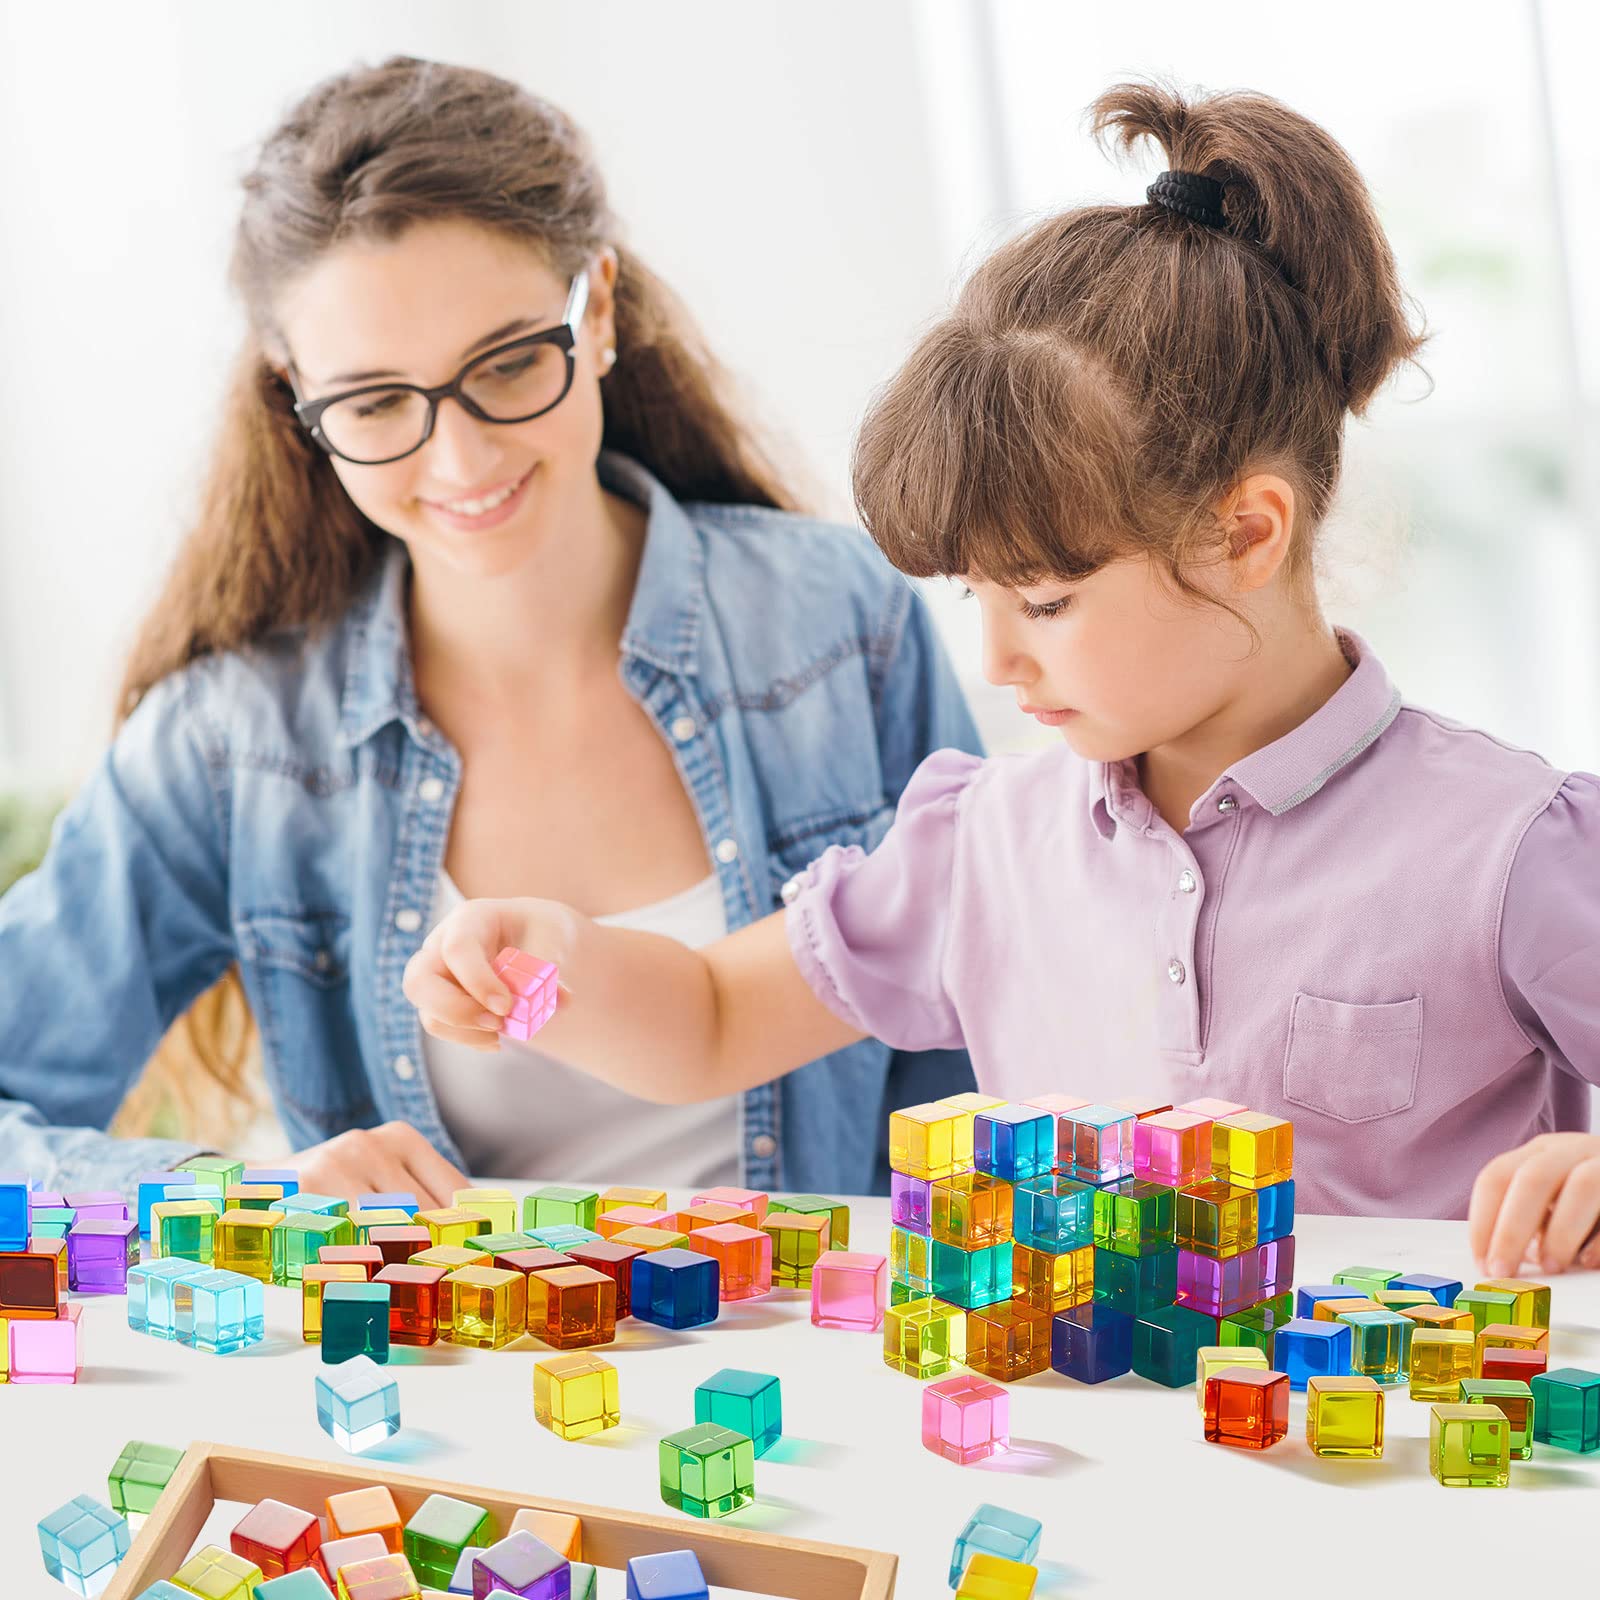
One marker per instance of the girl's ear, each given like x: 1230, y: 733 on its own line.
x: 1258, y: 523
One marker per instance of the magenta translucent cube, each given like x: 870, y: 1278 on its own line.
x: 849, y: 1289
x: 99, y: 1253
x: 46, y: 1350
x: 965, y: 1419
x: 532, y: 983
x: 910, y: 1202
x: 1173, y: 1147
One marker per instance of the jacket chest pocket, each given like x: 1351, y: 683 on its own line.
x: 1353, y: 1062
x: 793, y: 847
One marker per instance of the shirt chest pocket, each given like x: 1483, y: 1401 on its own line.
x: 1353, y: 1062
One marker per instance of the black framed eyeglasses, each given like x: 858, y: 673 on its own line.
x: 514, y: 382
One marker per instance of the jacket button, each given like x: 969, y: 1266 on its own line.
x: 684, y: 729
x: 430, y: 790
x: 404, y: 1067
x: 408, y: 921
x: 727, y: 851
x: 764, y: 1147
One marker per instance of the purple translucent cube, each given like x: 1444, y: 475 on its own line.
x: 99, y: 1253
x: 522, y: 1565
x: 1218, y: 1288
x: 1277, y: 1266
x: 101, y: 1204
x: 910, y: 1202
x: 45, y: 1200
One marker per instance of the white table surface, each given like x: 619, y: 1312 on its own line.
x: 1133, y: 1501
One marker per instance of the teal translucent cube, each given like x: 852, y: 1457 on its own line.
x: 324, y: 1205
x: 1566, y: 1408
x: 750, y: 1403
x: 150, y: 1303
x: 220, y: 1311
x: 82, y: 1542
x: 1380, y: 1344
x: 1134, y: 1217
x: 563, y: 1235
x: 302, y: 1234
x: 301, y: 1584
x: 358, y: 1404
x: 1166, y: 1342
x: 1134, y: 1285
x: 355, y: 1321
x: 992, y: 1530
x: 441, y: 1528
x: 707, y: 1471
x: 971, y: 1278
x: 556, y: 1206
x: 1053, y: 1214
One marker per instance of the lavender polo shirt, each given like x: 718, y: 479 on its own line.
x: 1384, y: 926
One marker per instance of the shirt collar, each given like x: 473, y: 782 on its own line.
x: 1281, y: 775
x: 663, y: 627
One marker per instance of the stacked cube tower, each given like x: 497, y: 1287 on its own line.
x: 1096, y: 1239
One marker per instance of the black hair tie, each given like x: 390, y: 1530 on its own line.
x: 1190, y: 195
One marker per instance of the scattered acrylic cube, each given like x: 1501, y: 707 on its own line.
x: 358, y: 1404
x: 613, y: 1259
x: 1211, y: 1359
x: 997, y: 1532
x: 707, y: 1470
x: 849, y: 1289
x: 797, y: 1240
x: 1469, y: 1446
x: 994, y: 1578
x: 571, y: 1307
x: 743, y: 1255
x: 1444, y: 1290
x: 82, y: 1542
x: 575, y: 1395
x: 533, y: 985
x: 746, y: 1199
x: 1305, y: 1349
x: 247, y: 1241
x: 556, y: 1204
x: 675, y: 1288
x: 150, y: 1303
x: 219, y: 1311
x: 1487, y: 1306
x: 139, y: 1474
x: 1440, y: 1359
x: 1512, y: 1397
x: 218, y: 1574
x: 29, y: 1285
x: 46, y: 1349
x: 1531, y: 1308
x: 750, y: 1403
x: 816, y: 1205
x: 497, y: 1206
x: 1566, y: 1408
x: 355, y: 1321
x: 1380, y: 1344
x: 313, y: 1281
x: 965, y: 1419
x: 413, y: 1302
x: 1247, y: 1407
x: 1344, y: 1416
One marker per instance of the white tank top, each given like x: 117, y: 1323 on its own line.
x: 520, y: 1114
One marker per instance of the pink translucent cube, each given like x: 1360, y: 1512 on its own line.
x: 745, y: 1199
x: 848, y: 1291
x: 46, y: 1350
x: 1056, y: 1104
x: 1172, y: 1147
x: 533, y: 984
x: 1205, y: 1106
x: 610, y: 1223
x: 965, y: 1419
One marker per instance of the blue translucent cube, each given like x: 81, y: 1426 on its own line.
x: 1014, y: 1142
x: 153, y: 1187
x: 673, y: 1288
x: 1275, y: 1211
x: 82, y: 1542
x: 1134, y: 1285
x: 151, y: 1305
x: 994, y: 1531
x: 563, y: 1235
x: 358, y: 1404
x: 1091, y: 1343
x: 287, y: 1180
x: 1307, y: 1349
x: 301, y: 1584
x: 1444, y: 1290
x: 1053, y: 1214
x: 971, y: 1278
x: 398, y: 1200
x: 322, y: 1205
x: 219, y: 1311
x: 13, y: 1211
x: 667, y: 1575
x: 750, y: 1403
x: 1308, y: 1294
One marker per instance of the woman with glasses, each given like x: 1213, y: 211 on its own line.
x: 492, y: 592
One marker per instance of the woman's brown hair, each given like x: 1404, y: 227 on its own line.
x: 277, y: 542
x: 1105, y: 379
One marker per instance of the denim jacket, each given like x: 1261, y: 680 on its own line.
x: 286, y: 807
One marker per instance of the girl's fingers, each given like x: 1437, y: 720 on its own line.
x: 1488, y: 1194
x: 485, y: 1039
x: 430, y: 1174
x: 1522, y: 1213
x: 1573, y: 1216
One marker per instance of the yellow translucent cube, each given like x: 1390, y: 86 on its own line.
x: 1052, y: 1282
x: 1211, y: 1359
x: 930, y: 1141
x: 924, y: 1338
x: 653, y: 1199
x: 1440, y: 1359
x: 575, y: 1395
x: 652, y: 1239
x: 1469, y: 1446
x: 498, y: 1205
x: 1437, y: 1316
x: 452, y: 1257
x: 991, y: 1577
x: 970, y: 1210
x: 1403, y: 1299
x: 453, y: 1224
x: 1533, y: 1300
x: 483, y: 1306
x: 1344, y: 1417
x: 217, y: 1574
x: 1332, y: 1310
x: 1252, y: 1149
x: 248, y: 1242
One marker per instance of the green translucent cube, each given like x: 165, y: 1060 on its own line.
x: 1566, y: 1408
x: 971, y: 1278
x: 1135, y: 1217
x: 442, y: 1527
x: 1469, y: 1446
x: 900, y: 1293
x: 182, y: 1228
x: 1136, y: 1284
x: 1216, y: 1218
x: 1380, y: 1344
x: 555, y: 1205
x: 1255, y: 1325
x: 924, y: 1338
x: 707, y: 1470
x: 139, y: 1475
x: 1167, y: 1342
x: 302, y: 1234
x: 1367, y: 1280
x: 355, y: 1321
x: 1515, y: 1399
x: 911, y: 1261
x: 1533, y: 1300
x: 214, y: 1169
x: 1486, y: 1306
x: 836, y: 1211
x: 492, y: 1244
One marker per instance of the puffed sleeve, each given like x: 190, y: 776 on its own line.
x: 1550, y: 929
x: 868, y: 932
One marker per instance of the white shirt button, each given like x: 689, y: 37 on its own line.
x: 1175, y: 970
x: 684, y: 729
x: 1186, y: 882
x: 764, y: 1146
x: 404, y: 1067
x: 322, y: 960
x: 727, y: 851
x: 408, y: 921
x: 430, y: 789
x: 424, y: 728
x: 1227, y: 803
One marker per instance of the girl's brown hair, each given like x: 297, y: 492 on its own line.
x: 1105, y: 379
x: 277, y: 542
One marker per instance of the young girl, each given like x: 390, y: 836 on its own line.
x: 1249, y: 870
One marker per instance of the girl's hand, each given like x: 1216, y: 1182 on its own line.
x: 377, y: 1161
x: 451, y: 979
x: 1539, y: 1202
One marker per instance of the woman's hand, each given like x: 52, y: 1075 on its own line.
x: 382, y: 1160
x: 1539, y: 1202
x: 451, y: 979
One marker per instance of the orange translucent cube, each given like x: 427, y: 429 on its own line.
x: 743, y: 1254
x: 572, y: 1307
x: 365, y: 1511
x: 1247, y: 1407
